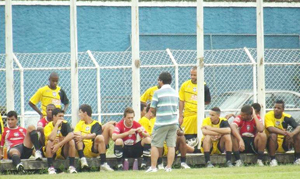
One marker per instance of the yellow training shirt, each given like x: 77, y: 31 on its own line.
x: 147, y: 96
x: 93, y: 127
x: 62, y: 131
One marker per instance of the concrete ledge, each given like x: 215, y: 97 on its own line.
x: 195, y: 160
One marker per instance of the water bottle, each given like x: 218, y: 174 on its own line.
x: 135, y: 165
x: 126, y: 164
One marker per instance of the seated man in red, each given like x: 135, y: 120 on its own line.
x: 248, y: 135
x: 44, y: 121
x: 126, y: 136
x: 19, y: 141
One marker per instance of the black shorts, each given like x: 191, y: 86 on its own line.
x: 24, y: 151
x: 249, y: 145
x: 133, y: 151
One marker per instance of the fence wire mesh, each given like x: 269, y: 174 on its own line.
x: 228, y: 74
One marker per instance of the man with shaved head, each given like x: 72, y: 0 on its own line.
x: 49, y: 94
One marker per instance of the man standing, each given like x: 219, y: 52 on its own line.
x: 127, y: 144
x: 216, y: 137
x: 49, y: 94
x: 164, y: 104
x: 89, y: 139
x: 188, y: 107
x: 248, y: 135
x: 19, y: 141
x: 279, y: 138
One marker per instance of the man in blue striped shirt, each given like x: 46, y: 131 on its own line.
x: 165, y: 105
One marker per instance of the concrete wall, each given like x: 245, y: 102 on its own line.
x: 46, y: 28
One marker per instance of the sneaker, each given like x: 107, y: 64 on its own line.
x: 72, y: 169
x: 297, y: 162
x: 229, y: 164
x: 51, y: 171
x: 106, y: 167
x: 83, y: 163
x: 209, y: 165
x: 161, y: 166
x: 168, y: 169
x: 260, y: 163
x: 38, y: 155
x: 273, y: 163
x: 20, y: 168
x: 120, y: 166
x: 143, y: 166
x: 183, y: 165
x: 150, y: 170
x: 193, y: 142
x: 239, y: 163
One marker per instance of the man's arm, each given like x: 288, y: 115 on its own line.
x: 181, y: 107
x: 275, y: 130
x: 225, y: 130
x: 33, y: 106
x: 121, y: 136
x: 54, y: 131
x: 207, y: 95
x: 208, y: 132
x: 258, y: 124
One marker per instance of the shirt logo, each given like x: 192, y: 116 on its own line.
x: 54, y: 93
x: 16, y: 134
x: 87, y: 128
x: 194, y: 89
x: 248, y: 127
x: 277, y: 123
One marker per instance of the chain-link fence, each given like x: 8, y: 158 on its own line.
x: 105, y: 77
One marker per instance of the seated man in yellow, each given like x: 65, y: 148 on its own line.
x: 59, y: 143
x: 279, y: 139
x: 148, y: 123
x: 89, y: 139
x: 216, y: 137
x: 147, y: 96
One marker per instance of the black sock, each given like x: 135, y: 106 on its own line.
x: 119, y: 160
x: 228, y: 156
x: 80, y: 153
x: 207, y: 156
x: 297, y: 155
x: 72, y: 161
x: 118, y: 151
x: 50, y: 162
x: 272, y: 157
x: 237, y: 155
x: 196, y: 150
x: 159, y: 161
x: 35, y: 139
x: 103, y: 158
x: 260, y: 155
x: 16, y: 160
x: 183, y: 159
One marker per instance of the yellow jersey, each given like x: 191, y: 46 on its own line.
x: 62, y: 131
x: 188, y: 94
x: 148, y: 124
x: 282, y: 123
x: 46, y: 96
x: 147, y: 96
x: 93, y: 127
x: 221, y: 124
x: 1, y: 127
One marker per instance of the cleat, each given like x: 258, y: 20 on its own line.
x: 38, y: 155
x: 193, y: 142
x: 260, y: 163
x: 20, y: 168
x: 239, y: 163
x: 161, y: 166
x: 120, y: 167
x: 168, y: 169
x: 106, y: 167
x: 183, y: 165
x: 143, y: 166
x: 72, y: 169
x: 51, y: 171
x: 273, y: 163
x: 297, y: 162
x: 150, y: 170
x: 229, y: 164
x: 83, y: 163
x: 209, y: 165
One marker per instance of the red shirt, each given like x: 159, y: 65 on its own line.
x: 13, y: 137
x: 247, y: 128
x: 130, y: 139
x: 42, y: 123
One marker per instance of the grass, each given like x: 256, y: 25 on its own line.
x: 252, y: 172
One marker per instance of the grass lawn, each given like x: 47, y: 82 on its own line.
x: 284, y: 171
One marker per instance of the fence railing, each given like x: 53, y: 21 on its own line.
x: 105, y: 77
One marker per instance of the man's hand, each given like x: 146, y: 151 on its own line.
x: 241, y: 145
x: 229, y: 116
x: 289, y: 134
x: 55, y: 147
x: 77, y: 136
x: 215, y: 137
x: 180, y: 132
x: 207, y: 127
x: 58, y: 123
x: 180, y: 120
x: 132, y: 131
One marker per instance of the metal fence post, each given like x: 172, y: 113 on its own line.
x: 254, y: 73
x: 176, y: 69
x: 22, y: 122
